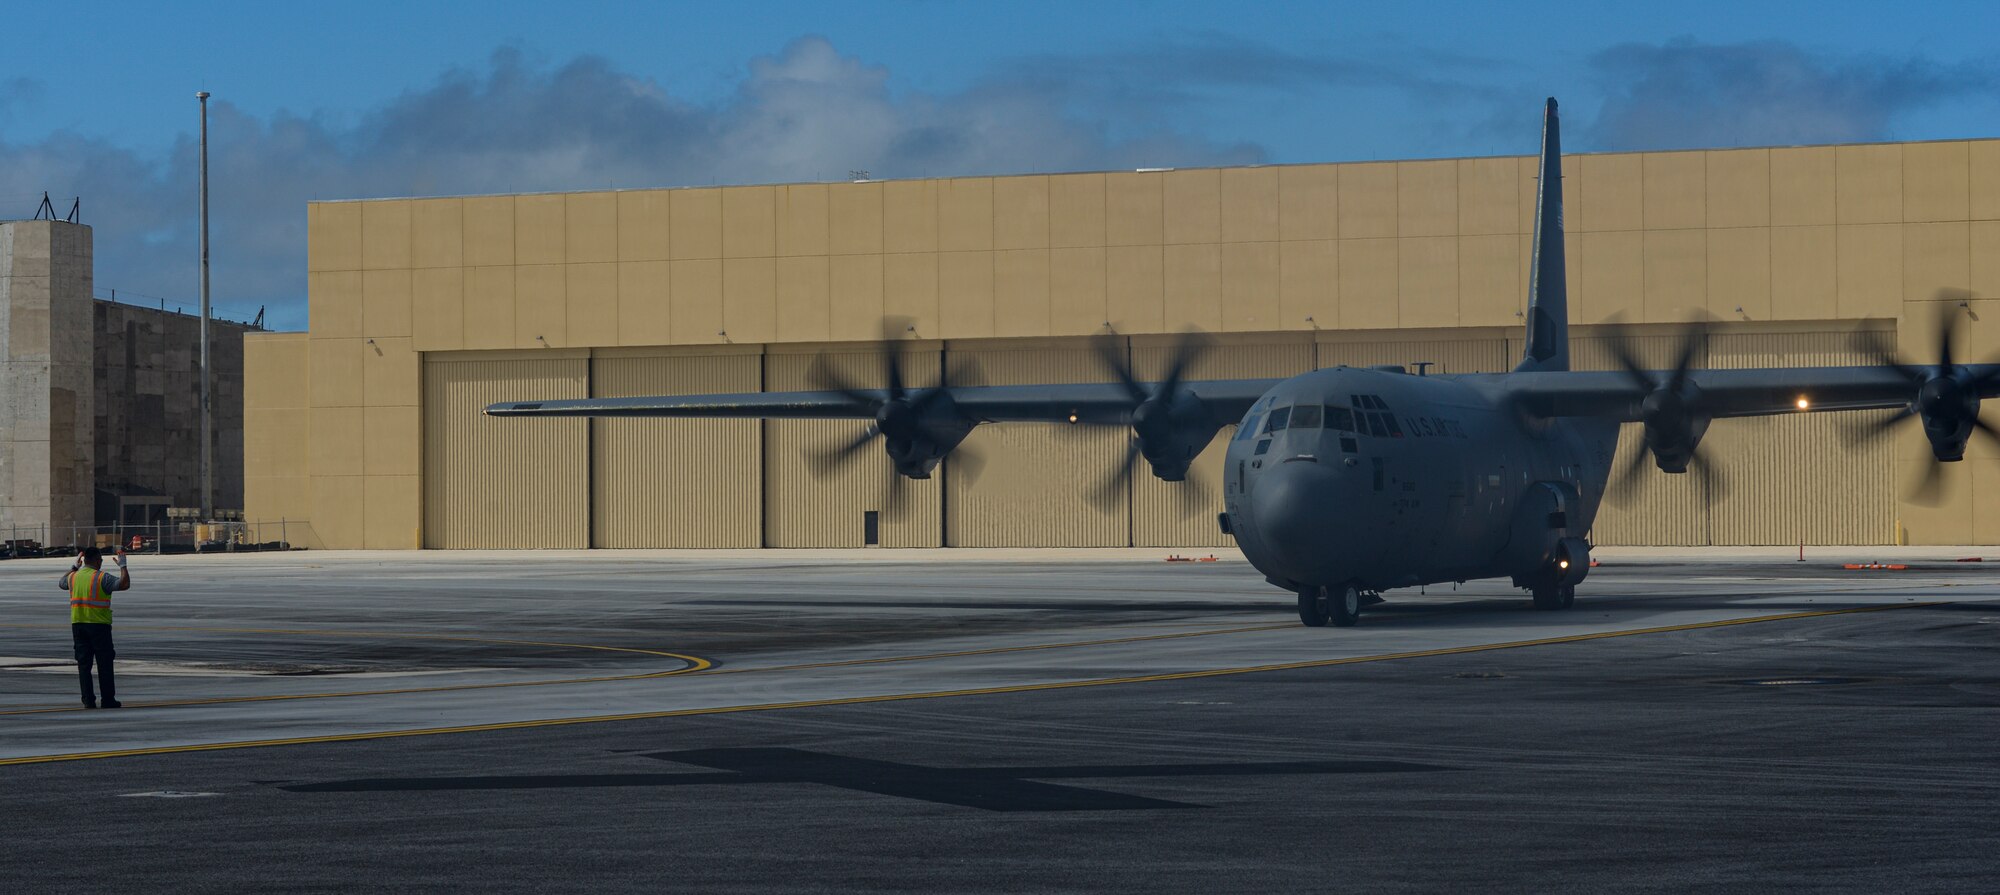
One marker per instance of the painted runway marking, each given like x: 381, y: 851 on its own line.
x: 702, y: 667
x: 944, y: 694
x: 694, y: 664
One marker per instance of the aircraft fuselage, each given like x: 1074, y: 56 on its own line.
x: 1383, y: 479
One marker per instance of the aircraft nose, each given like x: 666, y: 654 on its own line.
x: 1297, y: 507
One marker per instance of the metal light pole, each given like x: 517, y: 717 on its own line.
x: 207, y: 418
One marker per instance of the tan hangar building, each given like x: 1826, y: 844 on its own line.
x: 366, y: 431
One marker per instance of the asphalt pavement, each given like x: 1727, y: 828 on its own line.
x: 1002, y: 724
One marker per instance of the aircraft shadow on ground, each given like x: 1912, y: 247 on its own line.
x: 985, y: 788
x: 1153, y: 608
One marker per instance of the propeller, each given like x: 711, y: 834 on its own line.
x: 1153, y: 414
x: 1946, y: 401
x: 916, y: 425
x: 1672, y: 415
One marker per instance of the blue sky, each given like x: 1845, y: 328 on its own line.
x: 366, y: 99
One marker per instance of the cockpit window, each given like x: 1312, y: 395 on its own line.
x: 1375, y: 426
x: 1249, y: 427
x: 1307, y: 416
x: 1340, y: 419
x: 1280, y: 418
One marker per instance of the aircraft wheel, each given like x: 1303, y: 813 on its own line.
x: 1568, y: 596
x: 1549, y: 597
x: 1347, y: 610
x: 1315, y: 606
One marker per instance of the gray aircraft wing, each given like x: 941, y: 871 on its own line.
x: 1225, y: 400
x: 1725, y: 393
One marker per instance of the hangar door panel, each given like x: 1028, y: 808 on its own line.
x: 1171, y: 514
x: 675, y: 483
x: 1795, y: 478
x: 808, y: 507
x: 1031, y: 489
x: 492, y: 483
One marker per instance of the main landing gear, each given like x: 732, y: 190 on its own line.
x: 1549, y: 597
x: 1319, y: 604
x: 1554, y: 585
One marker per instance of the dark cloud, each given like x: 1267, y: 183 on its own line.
x: 1687, y: 94
x: 806, y: 113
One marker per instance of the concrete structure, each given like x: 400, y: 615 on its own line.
x: 46, y: 406
x: 97, y: 399
x: 425, y: 310
x: 148, y: 409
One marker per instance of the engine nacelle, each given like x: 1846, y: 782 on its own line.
x: 1673, y: 429
x: 916, y: 438
x: 1172, y: 435
x: 1948, y: 408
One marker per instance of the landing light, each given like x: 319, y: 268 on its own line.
x: 1803, y: 403
x: 1072, y: 416
x: 1562, y: 564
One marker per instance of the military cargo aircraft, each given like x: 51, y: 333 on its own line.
x: 1345, y: 482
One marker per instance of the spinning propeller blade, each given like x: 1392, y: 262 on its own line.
x: 1149, y: 413
x: 1941, y: 389
x: 900, y: 415
x: 1671, y: 411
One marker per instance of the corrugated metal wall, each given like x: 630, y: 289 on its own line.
x: 714, y: 483
x: 803, y: 508
x: 493, y: 483
x: 1170, y: 515
x: 1032, y: 489
x: 676, y: 483
x: 1797, y: 478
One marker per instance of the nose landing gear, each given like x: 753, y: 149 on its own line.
x: 1319, y: 604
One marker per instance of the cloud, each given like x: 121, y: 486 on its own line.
x: 18, y: 92
x: 1178, y: 75
x: 1686, y: 94
x: 806, y: 113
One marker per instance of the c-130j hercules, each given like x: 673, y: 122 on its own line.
x: 1345, y: 482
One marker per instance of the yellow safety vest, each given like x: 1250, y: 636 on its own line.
x: 88, y: 603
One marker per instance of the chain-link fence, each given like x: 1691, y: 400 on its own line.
x: 162, y: 537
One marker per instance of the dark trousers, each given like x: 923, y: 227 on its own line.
x: 93, y: 642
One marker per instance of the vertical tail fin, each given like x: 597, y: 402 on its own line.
x: 1548, y: 289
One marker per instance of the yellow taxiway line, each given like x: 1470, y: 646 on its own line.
x: 942, y: 694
